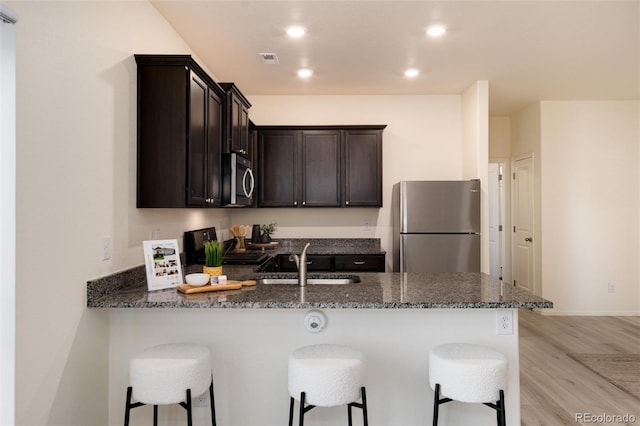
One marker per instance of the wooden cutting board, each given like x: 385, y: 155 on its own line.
x: 230, y: 285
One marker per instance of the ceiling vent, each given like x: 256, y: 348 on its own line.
x: 269, y: 58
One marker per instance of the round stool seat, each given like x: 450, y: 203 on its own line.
x: 467, y: 372
x: 329, y: 375
x: 161, y: 374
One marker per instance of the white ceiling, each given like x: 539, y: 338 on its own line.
x: 527, y: 50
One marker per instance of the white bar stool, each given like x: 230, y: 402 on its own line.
x: 468, y: 373
x: 326, y: 376
x: 170, y: 374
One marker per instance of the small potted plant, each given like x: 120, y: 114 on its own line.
x: 213, y: 253
x: 267, y: 230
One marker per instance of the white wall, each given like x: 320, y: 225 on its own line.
x: 422, y: 141
x: 475, y: 154
x: 7, y: 215
x: 76, y: 145
x: 590, y: 206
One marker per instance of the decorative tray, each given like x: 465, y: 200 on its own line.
x: 263, y: 246
x: 230, y: 285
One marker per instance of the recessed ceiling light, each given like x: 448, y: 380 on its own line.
x: 411, y: 73
x: 436, y: 30
x: 305, y: 73
x: 296, y: 31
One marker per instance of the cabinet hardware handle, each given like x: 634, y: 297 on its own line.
x: 346, y: 202
x: 309, y: 262
x: 304, y: 203
x: 528, y: 239
x: 248, y: 173
x: 295, y: 203
x: 360, y: 262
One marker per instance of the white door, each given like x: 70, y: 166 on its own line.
x: 496, y: 202
x: 522, y: 210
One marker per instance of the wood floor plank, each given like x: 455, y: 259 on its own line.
x: 554, y: 387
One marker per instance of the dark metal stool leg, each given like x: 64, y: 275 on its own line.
x: 502, y: 411
x: 291, y: 411
x: 364, y: 407
x: 436, y: 399
x: 188, y: 403
x: 213, y: 403
x: 155, y: 415
x: 127, y: 407
x: 349, y: 415
x: 301, y: 420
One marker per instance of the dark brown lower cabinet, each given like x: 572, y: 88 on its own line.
x: 362, y: 263
x: 334, y: 263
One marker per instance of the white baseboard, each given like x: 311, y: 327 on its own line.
x: 553, y: 312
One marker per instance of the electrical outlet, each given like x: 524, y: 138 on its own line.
x: 504, y: 322
x: 106, y: 248
x: 200, y: 400
x: 365, y: 225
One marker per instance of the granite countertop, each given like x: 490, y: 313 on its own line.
x: 386, y: 290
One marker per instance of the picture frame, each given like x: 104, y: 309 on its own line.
x: 162, y: 263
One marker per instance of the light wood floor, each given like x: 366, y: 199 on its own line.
x: 553, y: 386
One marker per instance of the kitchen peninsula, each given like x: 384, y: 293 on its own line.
x: 393, y: 318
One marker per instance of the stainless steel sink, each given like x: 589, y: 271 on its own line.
x: 330, y: 281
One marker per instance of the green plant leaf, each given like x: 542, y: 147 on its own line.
x: 213, y: 253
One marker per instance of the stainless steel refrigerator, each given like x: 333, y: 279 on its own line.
x: 437, y: 226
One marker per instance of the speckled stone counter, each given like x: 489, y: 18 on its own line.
x: 374, y: 291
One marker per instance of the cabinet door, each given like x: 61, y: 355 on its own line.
x: 278, y: 169
x: 364, y: 263
x: 162, y: 128
x: 315, y: 263
x: 239, y: 123
x: 214, y: 148
x: 363, y: 168
x: 197, y: 143
x: 321, y: 168
x: 244, y: 131
x: 234, y: 117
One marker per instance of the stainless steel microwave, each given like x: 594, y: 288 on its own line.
x: 238, y: 182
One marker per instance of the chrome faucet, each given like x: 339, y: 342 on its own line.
x: 301, y: 263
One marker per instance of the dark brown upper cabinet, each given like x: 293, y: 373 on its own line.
x: 179, y: 133
x: 278, y: 168
x: 320, y: 166
x: 363, y: 168
x: 236, y: 121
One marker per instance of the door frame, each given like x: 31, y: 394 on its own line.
x: 7, y: 215
x: 534, y: 284
x: 504, y: 209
